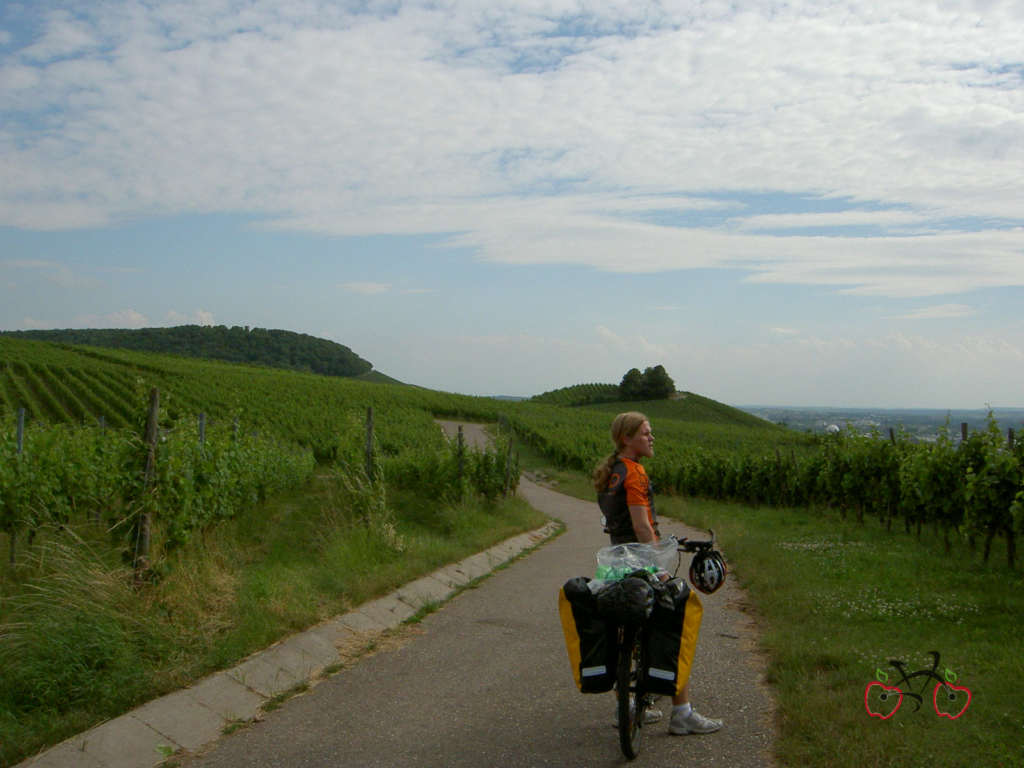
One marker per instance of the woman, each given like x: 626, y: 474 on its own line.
x: 623, y: 489
x: 625, y: 496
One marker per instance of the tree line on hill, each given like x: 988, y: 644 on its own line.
x: 653, y: 384
x: 237, y: 344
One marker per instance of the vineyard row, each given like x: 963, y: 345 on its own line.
x: 204, y: 473
x: 973, y: 487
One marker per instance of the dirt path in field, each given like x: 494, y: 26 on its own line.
x: 485, y: 681
x: 473, y: 434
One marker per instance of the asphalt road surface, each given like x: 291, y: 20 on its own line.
x: 485, y: 681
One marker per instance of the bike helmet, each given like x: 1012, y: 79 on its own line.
x: 707, y: 571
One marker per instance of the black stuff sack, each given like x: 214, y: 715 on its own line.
x: 670, y: 638
x: 626, y: 601
x: 590, y: 640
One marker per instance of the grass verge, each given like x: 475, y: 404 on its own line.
x: 837, y: 601
x: 539, y: 468
x: 79, y: 644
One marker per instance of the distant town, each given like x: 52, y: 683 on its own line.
x: 920, y: 424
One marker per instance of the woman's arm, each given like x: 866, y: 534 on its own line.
x: 642, y: 524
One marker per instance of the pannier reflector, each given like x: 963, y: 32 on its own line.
x: 662, y: 674
x: 592, y: 671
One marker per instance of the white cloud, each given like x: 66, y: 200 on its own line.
x: 199, y: 317
x: 43, y: 215
x: 125, y: 318
x: 29, y: 263
x: 64, y: 36
x: 68, y: 278
x: 53, y: 272
x: 636, y: 345
x: 851, y: 218
x: 607, y: 335
x: 537, y: 147
x: 14, y: 78
x: 938, y: 312
x: 367, y: 289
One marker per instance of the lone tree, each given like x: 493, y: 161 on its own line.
x: 658, y: 385
x: 653, y: 384
x: 632, y: 385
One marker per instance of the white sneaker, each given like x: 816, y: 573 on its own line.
x: 695, y: 722
x: 652, y: 715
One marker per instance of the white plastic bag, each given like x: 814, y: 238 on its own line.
x: 619, y: 560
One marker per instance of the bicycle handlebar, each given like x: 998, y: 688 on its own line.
x: 689, y: 545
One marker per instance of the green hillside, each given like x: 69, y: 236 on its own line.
x: 690, y: 407
x: 63, y: 384
x: 376, y: 377
x: 275, y: 348
x: 684, y: 406
x: 579, y: 394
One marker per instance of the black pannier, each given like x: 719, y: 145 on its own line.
x: 670, y: 637
x: 590, y: 639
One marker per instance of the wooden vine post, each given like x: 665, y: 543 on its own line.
x: 370, y: 474
x: 460, y: 455
x: 508, y: 467
x: 20, y: 448
x: 506, y: 428
x: 141, y: 564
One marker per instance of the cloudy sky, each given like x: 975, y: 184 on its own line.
x: 802, y: 203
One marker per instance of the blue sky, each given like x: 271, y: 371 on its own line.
x: 794, y: 204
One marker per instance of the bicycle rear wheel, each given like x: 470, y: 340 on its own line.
x: 629, y: 689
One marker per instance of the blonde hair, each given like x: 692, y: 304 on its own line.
x: 624, y: 427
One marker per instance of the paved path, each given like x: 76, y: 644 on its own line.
x: 485, y: 681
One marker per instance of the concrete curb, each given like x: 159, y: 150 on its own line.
x: 194, y: 717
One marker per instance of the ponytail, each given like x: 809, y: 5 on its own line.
x: 603, y: 471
